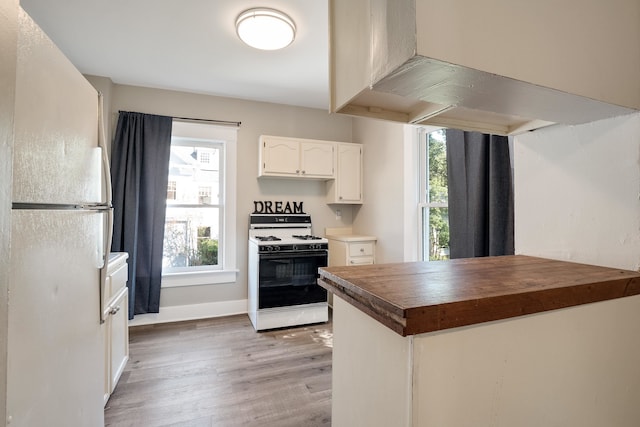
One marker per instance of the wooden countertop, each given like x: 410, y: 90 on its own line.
x: 417, y: 297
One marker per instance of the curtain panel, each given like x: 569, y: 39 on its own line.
x: 480, y: 195
x: 139, y: 175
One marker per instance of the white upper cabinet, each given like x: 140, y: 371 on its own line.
x: 317, y: 159
x: 279, y: 156
x: 503, y: 69
x: 296, y: 158
x: 347, y: 187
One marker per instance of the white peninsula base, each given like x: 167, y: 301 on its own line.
x: 578, y: 366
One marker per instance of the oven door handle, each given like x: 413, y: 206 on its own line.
x: 290, y: 254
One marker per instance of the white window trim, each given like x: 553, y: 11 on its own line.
x: 423, y: 204
x: 229, y: 272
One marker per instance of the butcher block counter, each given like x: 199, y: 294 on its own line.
x: 513, y: 340
x: 412, y: 298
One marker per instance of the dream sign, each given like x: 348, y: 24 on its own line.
x: 269, y: 207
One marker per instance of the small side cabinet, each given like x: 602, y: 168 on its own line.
x: 116, y: 322
x: 350, y: 249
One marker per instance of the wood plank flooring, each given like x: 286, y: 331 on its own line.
x: 220, y: 372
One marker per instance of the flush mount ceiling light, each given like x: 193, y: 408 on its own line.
x: 265, y: 29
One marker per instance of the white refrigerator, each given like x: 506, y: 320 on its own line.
x: 60, y: 234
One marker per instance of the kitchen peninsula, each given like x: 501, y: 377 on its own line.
x: 513, y: 340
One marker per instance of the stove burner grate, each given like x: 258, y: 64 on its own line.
x: 306, y: 237
x: 268, y: 238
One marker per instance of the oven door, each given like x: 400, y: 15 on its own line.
x: 290, y: 278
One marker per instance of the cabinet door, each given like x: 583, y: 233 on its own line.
x: 349, y: 177
x: 280, y: 156
x: 316, y: 159
x: 106, y: 337
x: 119, y: 337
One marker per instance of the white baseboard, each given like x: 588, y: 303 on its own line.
x: 179, y: 313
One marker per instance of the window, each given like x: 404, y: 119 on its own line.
x: 433, y: 196
x: 171, y: 190
x: 200, y: 209
x: 192, y: 208
x: 204, y: 195
x: 204, y: 157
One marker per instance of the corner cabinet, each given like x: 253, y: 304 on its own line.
x: 347, y: 186
x: 296, y: 158
x: 116, y: 322
x: 351, y: 249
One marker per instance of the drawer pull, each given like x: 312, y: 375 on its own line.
x: 114, y: 310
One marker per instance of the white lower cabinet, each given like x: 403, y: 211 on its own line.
x: 116, y: 323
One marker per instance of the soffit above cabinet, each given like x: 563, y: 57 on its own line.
x: 390, y: 77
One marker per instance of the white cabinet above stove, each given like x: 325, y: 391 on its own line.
x: 284, y: 157
x: 347, y: 187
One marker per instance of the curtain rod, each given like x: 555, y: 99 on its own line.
x: 191, y: 119
x: 220, y: 122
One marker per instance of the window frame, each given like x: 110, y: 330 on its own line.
x: 424, y: 205
x: 226, y: 270
x: 180, y: 141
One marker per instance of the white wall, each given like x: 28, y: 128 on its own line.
x: 257, y: 118
x: 390, y: 203
x: 577, y: 193
x: 569, y: 182
x: 105, y: 86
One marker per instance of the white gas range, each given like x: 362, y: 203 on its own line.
x: 284, y: 257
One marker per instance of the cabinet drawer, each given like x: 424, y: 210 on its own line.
x: 117, y: 280
x: 361, y: 249
x: 362, y: 260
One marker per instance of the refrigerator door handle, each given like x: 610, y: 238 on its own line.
x: 60, y: 206
x: 106, y: 170
x: 95, y: 207
x: 106, y: 173
x: 105, y: 267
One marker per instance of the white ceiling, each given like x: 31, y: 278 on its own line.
x: 191, y: 45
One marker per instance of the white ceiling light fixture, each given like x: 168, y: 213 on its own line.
x: 265, y: 29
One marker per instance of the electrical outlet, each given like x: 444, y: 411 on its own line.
x: 338, y: 214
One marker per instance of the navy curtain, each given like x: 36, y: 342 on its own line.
x: 480, y: 195
x: 139, y: 175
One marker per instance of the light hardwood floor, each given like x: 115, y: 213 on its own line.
x: 220, y: 372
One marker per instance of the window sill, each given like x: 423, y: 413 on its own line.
x: 198, y: 278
